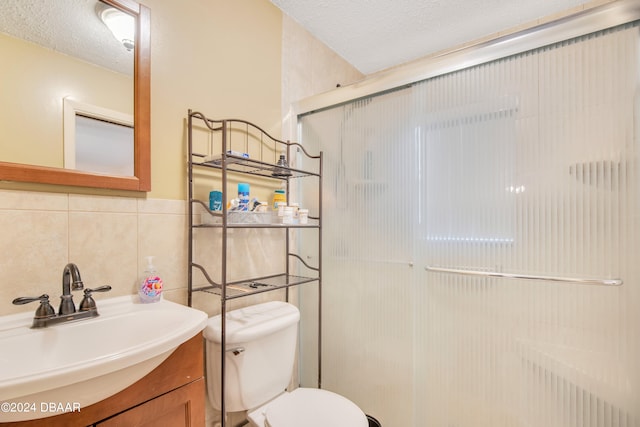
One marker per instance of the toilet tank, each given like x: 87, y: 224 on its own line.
x: 260, y: 353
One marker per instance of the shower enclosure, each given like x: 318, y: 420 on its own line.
x: 481, y: 242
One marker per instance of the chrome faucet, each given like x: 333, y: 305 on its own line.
x: 71, y: 280
x: 46, y: 315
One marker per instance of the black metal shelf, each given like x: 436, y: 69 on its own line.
x: 251, y: 167
x: 280, y: 226
x: 248, y: 287
x: 260, y: 220
x: 240, y: 147
x: 227, y: 135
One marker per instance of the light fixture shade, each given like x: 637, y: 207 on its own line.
x: 121, y: 24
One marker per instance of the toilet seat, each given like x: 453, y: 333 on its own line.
x: 310, y: 408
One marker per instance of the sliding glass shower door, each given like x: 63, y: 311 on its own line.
x: 524, y: 167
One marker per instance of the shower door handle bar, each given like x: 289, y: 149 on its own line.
x: 598, y: 282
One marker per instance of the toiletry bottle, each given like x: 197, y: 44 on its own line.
x: 215, y: 200
x: 151, y: 284
x: 243, y: 197
x: 279, y: 196
x: 282, y: 169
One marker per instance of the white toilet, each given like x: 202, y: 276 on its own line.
x: 260, y: 353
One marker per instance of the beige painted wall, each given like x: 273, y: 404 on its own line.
x: 34, y: 82
x: 223, y: 58
x: 218, y: 57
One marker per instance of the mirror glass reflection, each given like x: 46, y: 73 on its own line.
x: 51, y: 51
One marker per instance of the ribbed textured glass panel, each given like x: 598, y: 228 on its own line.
x: 369, y: 217
x: 526, y: 165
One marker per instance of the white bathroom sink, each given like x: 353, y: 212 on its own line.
x: 80, y: 363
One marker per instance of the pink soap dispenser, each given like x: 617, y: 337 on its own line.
x: 151, y: 284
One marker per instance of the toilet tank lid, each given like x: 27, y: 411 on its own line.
x: 252, y: 322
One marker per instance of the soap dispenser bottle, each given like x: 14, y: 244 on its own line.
x: 151, y: 284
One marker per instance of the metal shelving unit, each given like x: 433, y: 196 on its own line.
x: 227, y: 140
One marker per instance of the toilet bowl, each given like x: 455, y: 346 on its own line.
x: 309, y: 408
x: 259, y: 358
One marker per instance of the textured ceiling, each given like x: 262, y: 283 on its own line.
x: 71, y: 27
x: 374, y: 35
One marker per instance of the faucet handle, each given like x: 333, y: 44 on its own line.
x: 88, y: 303
x: 44, y: 311
x: 27, y: 300
x: 104, y: 288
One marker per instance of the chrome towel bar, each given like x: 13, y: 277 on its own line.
x: 599, y: 282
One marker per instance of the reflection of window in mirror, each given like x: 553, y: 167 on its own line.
x: 97, y: 139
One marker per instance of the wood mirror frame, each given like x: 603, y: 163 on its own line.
x: 141, y: 181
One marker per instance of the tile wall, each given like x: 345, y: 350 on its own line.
x: 108, y: 238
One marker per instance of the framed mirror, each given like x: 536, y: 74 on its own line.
x: 39, y: 158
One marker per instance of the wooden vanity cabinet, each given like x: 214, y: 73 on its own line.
x: 172, y: 395
x: 174, y: 409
